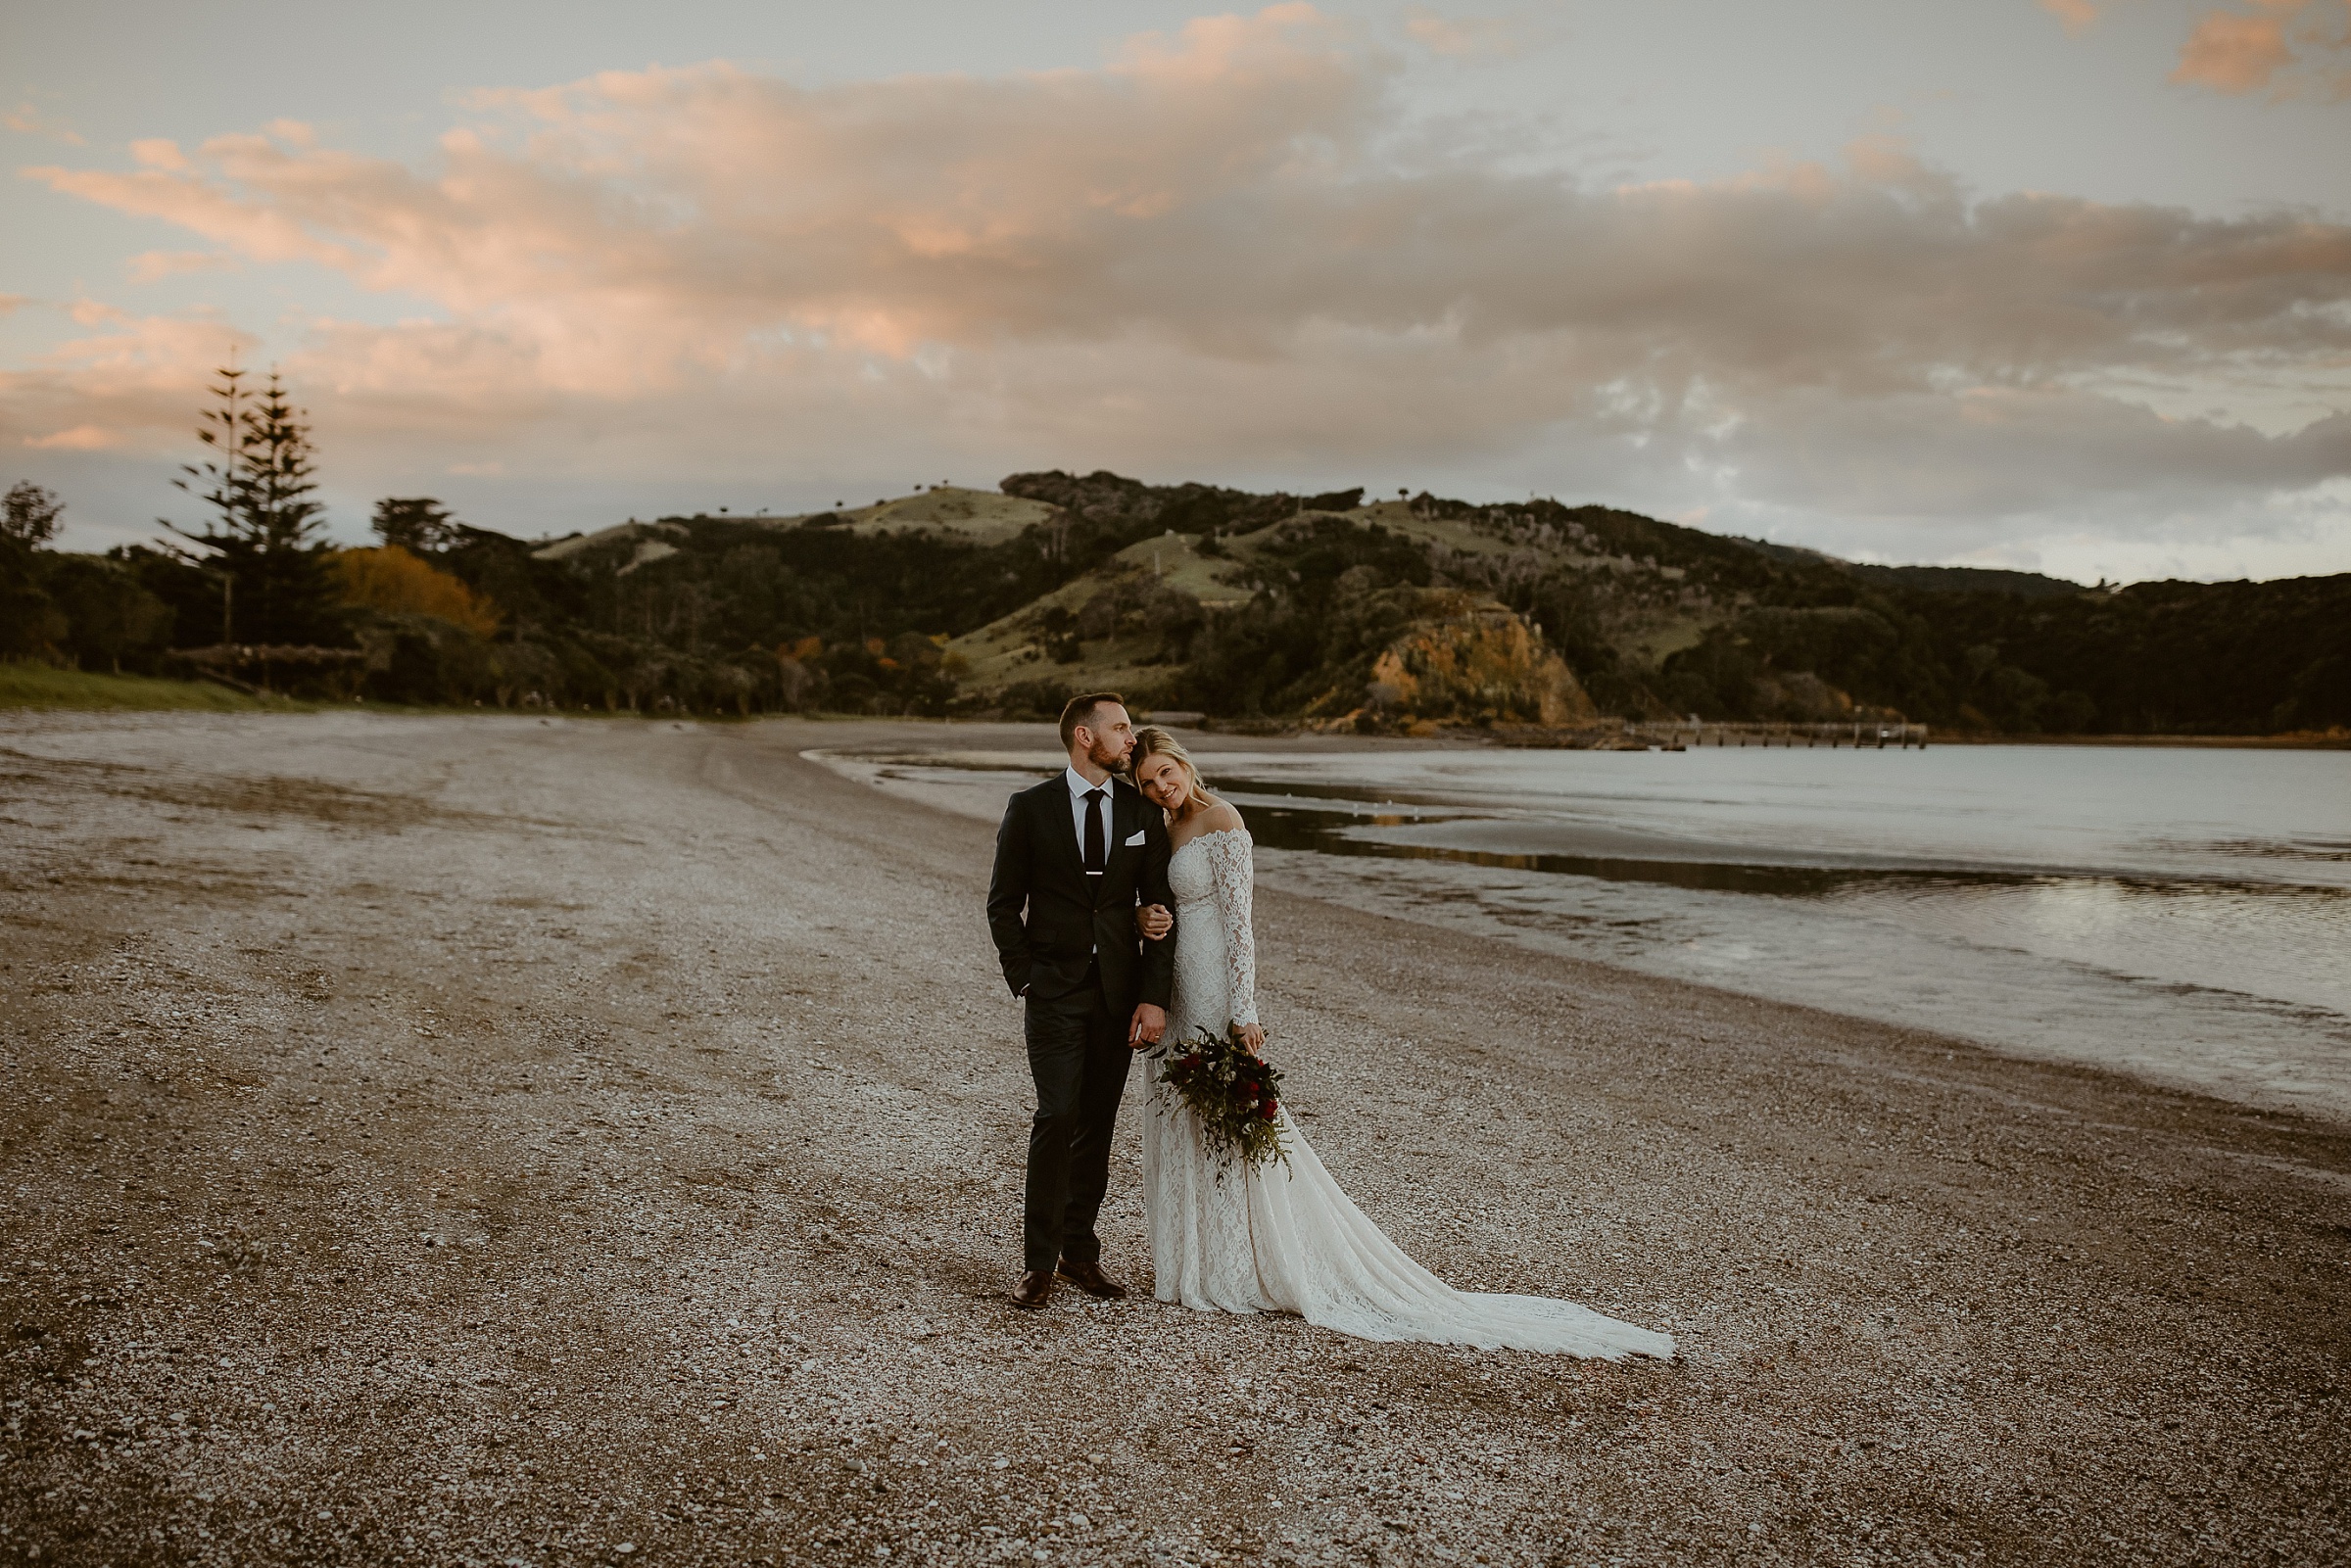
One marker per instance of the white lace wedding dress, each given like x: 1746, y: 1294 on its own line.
x: 1270, y: 1239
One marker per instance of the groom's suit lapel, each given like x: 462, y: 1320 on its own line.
x: 1061, y: 829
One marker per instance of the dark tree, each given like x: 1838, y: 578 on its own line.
x: 418, y: 524
x: 32, y: 515
x: 30, y: 622
x: 111, y: 617
x: 264, y: 536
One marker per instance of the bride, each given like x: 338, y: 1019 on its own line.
x: 1277, y: 1238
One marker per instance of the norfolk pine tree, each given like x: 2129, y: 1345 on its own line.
x: 265, y: 534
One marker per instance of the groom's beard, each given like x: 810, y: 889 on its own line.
x: 1111, y: 762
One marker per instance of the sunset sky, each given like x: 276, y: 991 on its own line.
x: 2063, y: 285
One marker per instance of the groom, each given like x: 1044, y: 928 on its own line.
x: 1074, y: 857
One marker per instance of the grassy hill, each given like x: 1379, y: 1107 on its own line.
x: 1242, y: 604
x: 1385, y: 613
x: 950, y: 512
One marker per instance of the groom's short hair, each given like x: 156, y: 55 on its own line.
x: 1080, y: 710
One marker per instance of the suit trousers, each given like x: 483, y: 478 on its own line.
x: 1078, y: 1054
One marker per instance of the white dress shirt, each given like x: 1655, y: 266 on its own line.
x: 1079, y: 789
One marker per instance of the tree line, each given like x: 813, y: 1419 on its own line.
x: 732, y: 615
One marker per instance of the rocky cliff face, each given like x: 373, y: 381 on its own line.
x: 1477, y: 661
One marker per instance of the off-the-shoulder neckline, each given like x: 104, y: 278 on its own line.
x: 1213, y: 832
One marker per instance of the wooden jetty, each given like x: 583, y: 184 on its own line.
x: 1858, y: 734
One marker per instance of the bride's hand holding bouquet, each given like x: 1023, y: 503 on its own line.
x: 1233, y: 1092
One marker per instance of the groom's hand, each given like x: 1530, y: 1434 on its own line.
x: 1150, y: 1022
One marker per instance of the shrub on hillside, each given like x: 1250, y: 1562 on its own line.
x: 426, y: 660
x: 390, y: 580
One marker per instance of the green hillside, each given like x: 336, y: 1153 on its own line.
x: 1326, y: 608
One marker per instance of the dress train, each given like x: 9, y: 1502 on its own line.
x: 1275, y: 1239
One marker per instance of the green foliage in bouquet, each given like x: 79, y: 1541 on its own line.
x: 1235, y: 1094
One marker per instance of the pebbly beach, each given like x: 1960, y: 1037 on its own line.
x: 553, y: 1140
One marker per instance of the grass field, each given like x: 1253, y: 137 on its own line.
x: 26, y: 685
x: 42, y: 686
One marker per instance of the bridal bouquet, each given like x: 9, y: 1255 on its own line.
x: 1236, y: 1095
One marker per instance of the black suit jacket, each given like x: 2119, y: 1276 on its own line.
x: 1047, y: 917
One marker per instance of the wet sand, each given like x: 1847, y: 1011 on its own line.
x: 495, y: 1140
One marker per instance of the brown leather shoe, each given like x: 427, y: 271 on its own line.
x: 1090, y: 1278
x: 1034, y: 1289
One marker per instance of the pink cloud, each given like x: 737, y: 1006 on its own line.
x: 256, y: 228
x: 2289, y: 48
x: 1462, y: 37
x: 29, y: 119
x: 2079, y: 16
x: 134, y: 382
x: 1885, y: 157
x: 1199, y: 257
x: 2233, y: 52
x: 150, y: 266
x: 82, y: 438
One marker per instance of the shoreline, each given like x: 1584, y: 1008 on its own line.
x: 521, y: 1138
x: 131, y: 694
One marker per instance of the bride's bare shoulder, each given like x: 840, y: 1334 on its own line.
x: 1222, y: 817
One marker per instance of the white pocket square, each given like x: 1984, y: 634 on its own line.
x: 1134, y: 841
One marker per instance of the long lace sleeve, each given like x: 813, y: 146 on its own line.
x: 1234, y: 872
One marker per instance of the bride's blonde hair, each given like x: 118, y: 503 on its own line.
x: 1150, y: 741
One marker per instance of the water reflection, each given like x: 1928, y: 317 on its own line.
x: 1329, y: 832
x: 1290, y: 820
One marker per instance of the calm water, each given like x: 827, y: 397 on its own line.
x: 2183, y: 914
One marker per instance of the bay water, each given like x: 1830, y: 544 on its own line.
x: 2183, y: 914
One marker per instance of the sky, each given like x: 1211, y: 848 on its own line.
x: 2055, y: 284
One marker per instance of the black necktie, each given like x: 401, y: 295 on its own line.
x: 1093, y: 833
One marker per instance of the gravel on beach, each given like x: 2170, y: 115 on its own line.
x: 514, y: 1140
